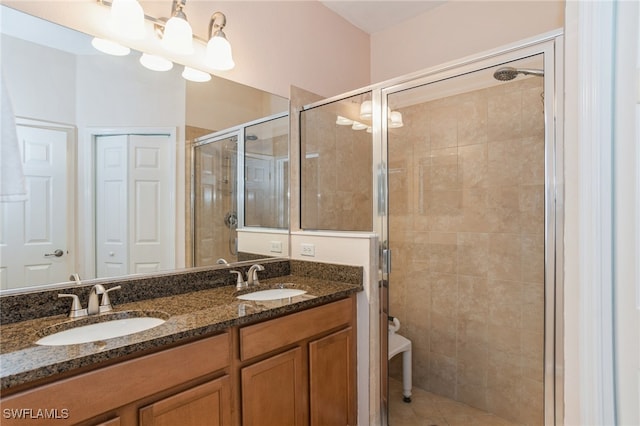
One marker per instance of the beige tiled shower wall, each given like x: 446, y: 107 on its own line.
x: 467, y: 234
x: 337, y: 190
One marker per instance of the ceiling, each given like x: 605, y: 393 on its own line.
x: 373, y: 16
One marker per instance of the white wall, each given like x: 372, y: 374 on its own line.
x: 40, y: 81
x: 457, y: 29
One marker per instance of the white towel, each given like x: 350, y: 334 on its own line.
x: 12, y: 182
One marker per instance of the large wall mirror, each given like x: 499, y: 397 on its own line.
x: 106, y: 146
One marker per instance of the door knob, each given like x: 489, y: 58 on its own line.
x: 56, y: 253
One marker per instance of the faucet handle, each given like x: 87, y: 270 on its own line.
x: 105, y: 302
x: 76, y: 308
x: 239, y: 281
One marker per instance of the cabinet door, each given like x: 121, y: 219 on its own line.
x: 272, y: 391
x: 205, y: 405
x: 332, y: 379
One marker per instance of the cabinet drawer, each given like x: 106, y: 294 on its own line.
x: 265, y: 337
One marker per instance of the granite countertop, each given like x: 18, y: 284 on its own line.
x: 188, y: 315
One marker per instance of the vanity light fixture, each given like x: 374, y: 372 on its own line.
x: 358, y: 126
x: 218, y: 54
x: 195, y: 75
x: 127, y: 19
x: 155, y: 63
x: 110, y: 47
x: 177, y: 36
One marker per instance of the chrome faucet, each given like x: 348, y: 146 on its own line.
x: 94, y: 299
x: 252, y: 275
x: 95, y: 306
x: 221, y: 261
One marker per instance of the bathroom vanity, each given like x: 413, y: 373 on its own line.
x: 216, y: 360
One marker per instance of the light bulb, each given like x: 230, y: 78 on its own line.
x: 366, y: 110
x: 195, y: 75
x: 127, y: 19
x: 343, y: 121
x: 178, y: 36
x: 218, y: 54
x: 155, y: 63
x: 395, y: 120
x: 358, y: 126
x: 110, y: 47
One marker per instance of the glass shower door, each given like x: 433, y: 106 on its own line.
x: 215, y: 205
x: 469, y: 231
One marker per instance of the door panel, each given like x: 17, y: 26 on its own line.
x: 111, y: 206
x: 34, y: 229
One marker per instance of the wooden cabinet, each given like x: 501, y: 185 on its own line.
x: 305, y: 368
x: 205, y: 405
x: 107, y: 394
x: 332, y: 378
x: 272, y: 391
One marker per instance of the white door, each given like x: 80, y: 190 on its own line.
x: 151, y: 218
x: 111, y: 206
x: 134, y: 214
x: 33, y: 242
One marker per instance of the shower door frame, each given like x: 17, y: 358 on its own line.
x: 551, y: 46
x: 237, y: 133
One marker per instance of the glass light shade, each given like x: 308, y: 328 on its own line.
x: 358, y: 126
x: 127, y: 19
x: 395, y: 120
x: 369, y: 129
x: 155, y: 63
x: 343, y: 121
x: 178, y: 36
x: 110, y: 47
x: 366, y: 109
x: 195, y: 75
x: 218, y: 55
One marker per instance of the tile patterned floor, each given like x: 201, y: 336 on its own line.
x: 429, y: 409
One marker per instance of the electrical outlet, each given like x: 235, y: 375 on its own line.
x: 276, y: 247
x: 308, y: 250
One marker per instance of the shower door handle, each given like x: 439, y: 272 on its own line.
x: 386, y: 261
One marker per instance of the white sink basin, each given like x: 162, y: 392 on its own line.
x: 100, y: 331
x: 272, y: 294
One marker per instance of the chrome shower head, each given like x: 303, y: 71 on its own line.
x: 509, y: 73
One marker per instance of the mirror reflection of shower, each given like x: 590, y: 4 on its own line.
x: 215, y: 201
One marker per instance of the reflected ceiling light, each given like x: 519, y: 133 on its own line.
x: 155, y: 63
x: 110, y: 47
x: 195, y: 75
x: 343, y: 121
x: 177, y: 36
x: 218, y: 54
x: 358, y: 126
x: 127, y: 19
x: 366, y: 109
x: 369, y: 129
x: 395, y: 120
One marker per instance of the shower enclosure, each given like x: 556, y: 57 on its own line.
x: 471, y: 222
x: 466, y: 192
x: 240, y: 179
